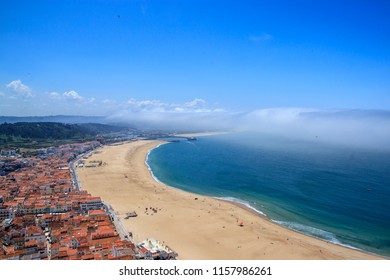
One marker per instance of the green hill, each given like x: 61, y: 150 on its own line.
x: 27, y: 134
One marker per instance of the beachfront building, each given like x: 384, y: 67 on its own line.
x: 91, y: 203
x: 155, y: 250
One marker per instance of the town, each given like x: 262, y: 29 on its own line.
x: 45, y: 214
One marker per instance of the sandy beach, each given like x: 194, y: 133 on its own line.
x: 194, y: 226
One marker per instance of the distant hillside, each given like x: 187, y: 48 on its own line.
x: 29, y: 133
x: 44, y: 130
x: 98, y: 128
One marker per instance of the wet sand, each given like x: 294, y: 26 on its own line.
x: 195, y: 226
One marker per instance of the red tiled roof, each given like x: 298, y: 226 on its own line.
x: 32, y: 243
x: 96, y: 212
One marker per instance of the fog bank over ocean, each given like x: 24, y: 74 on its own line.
x: 362, y: 128
x: 366, y: 128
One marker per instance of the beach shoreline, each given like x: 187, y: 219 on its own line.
x: 195, y: 226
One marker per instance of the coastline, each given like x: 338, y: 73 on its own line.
x: 195, y: 226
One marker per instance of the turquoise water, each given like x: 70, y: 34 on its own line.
x: 339, y: 194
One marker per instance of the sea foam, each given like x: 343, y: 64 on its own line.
x: 148, y: 166
x: 242, y: 202
x: 315, y: 232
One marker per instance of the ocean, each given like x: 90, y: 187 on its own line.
x: 336, y: 193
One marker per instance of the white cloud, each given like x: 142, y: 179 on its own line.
x: 2, y: 94
x: 69, y: 95
x: 197, y: 105
x: 194, y: 114
x: 18, y: 87
x: 197, y: 102
x: 72, y: 95
x: 54, y: 95
x: 109, y: 102
x: 147, y: 105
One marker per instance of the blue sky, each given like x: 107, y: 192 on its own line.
x: 129, y: 57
